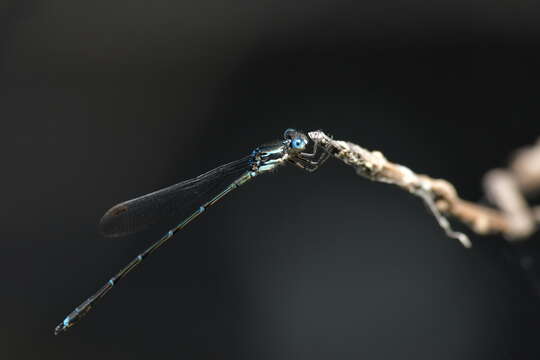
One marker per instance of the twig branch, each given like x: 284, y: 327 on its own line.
x: 515, y: 220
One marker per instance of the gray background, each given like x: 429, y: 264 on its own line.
x: 101, y: 101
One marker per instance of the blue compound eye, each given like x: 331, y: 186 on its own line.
x: 298, y: 143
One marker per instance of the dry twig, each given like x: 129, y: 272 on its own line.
x: 505, y: 188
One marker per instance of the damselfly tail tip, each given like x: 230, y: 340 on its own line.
x: 61, y: 327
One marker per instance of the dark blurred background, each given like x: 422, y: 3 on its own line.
x: 102, y: 101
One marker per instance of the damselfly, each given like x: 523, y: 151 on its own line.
x: 136, y: 214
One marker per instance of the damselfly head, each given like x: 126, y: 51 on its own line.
x: 296, y: 140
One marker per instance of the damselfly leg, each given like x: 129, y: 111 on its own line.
x: 311, y: 161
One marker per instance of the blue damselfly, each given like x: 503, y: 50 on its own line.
x: 136, y: 214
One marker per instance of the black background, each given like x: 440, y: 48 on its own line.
x: 101, y: 101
